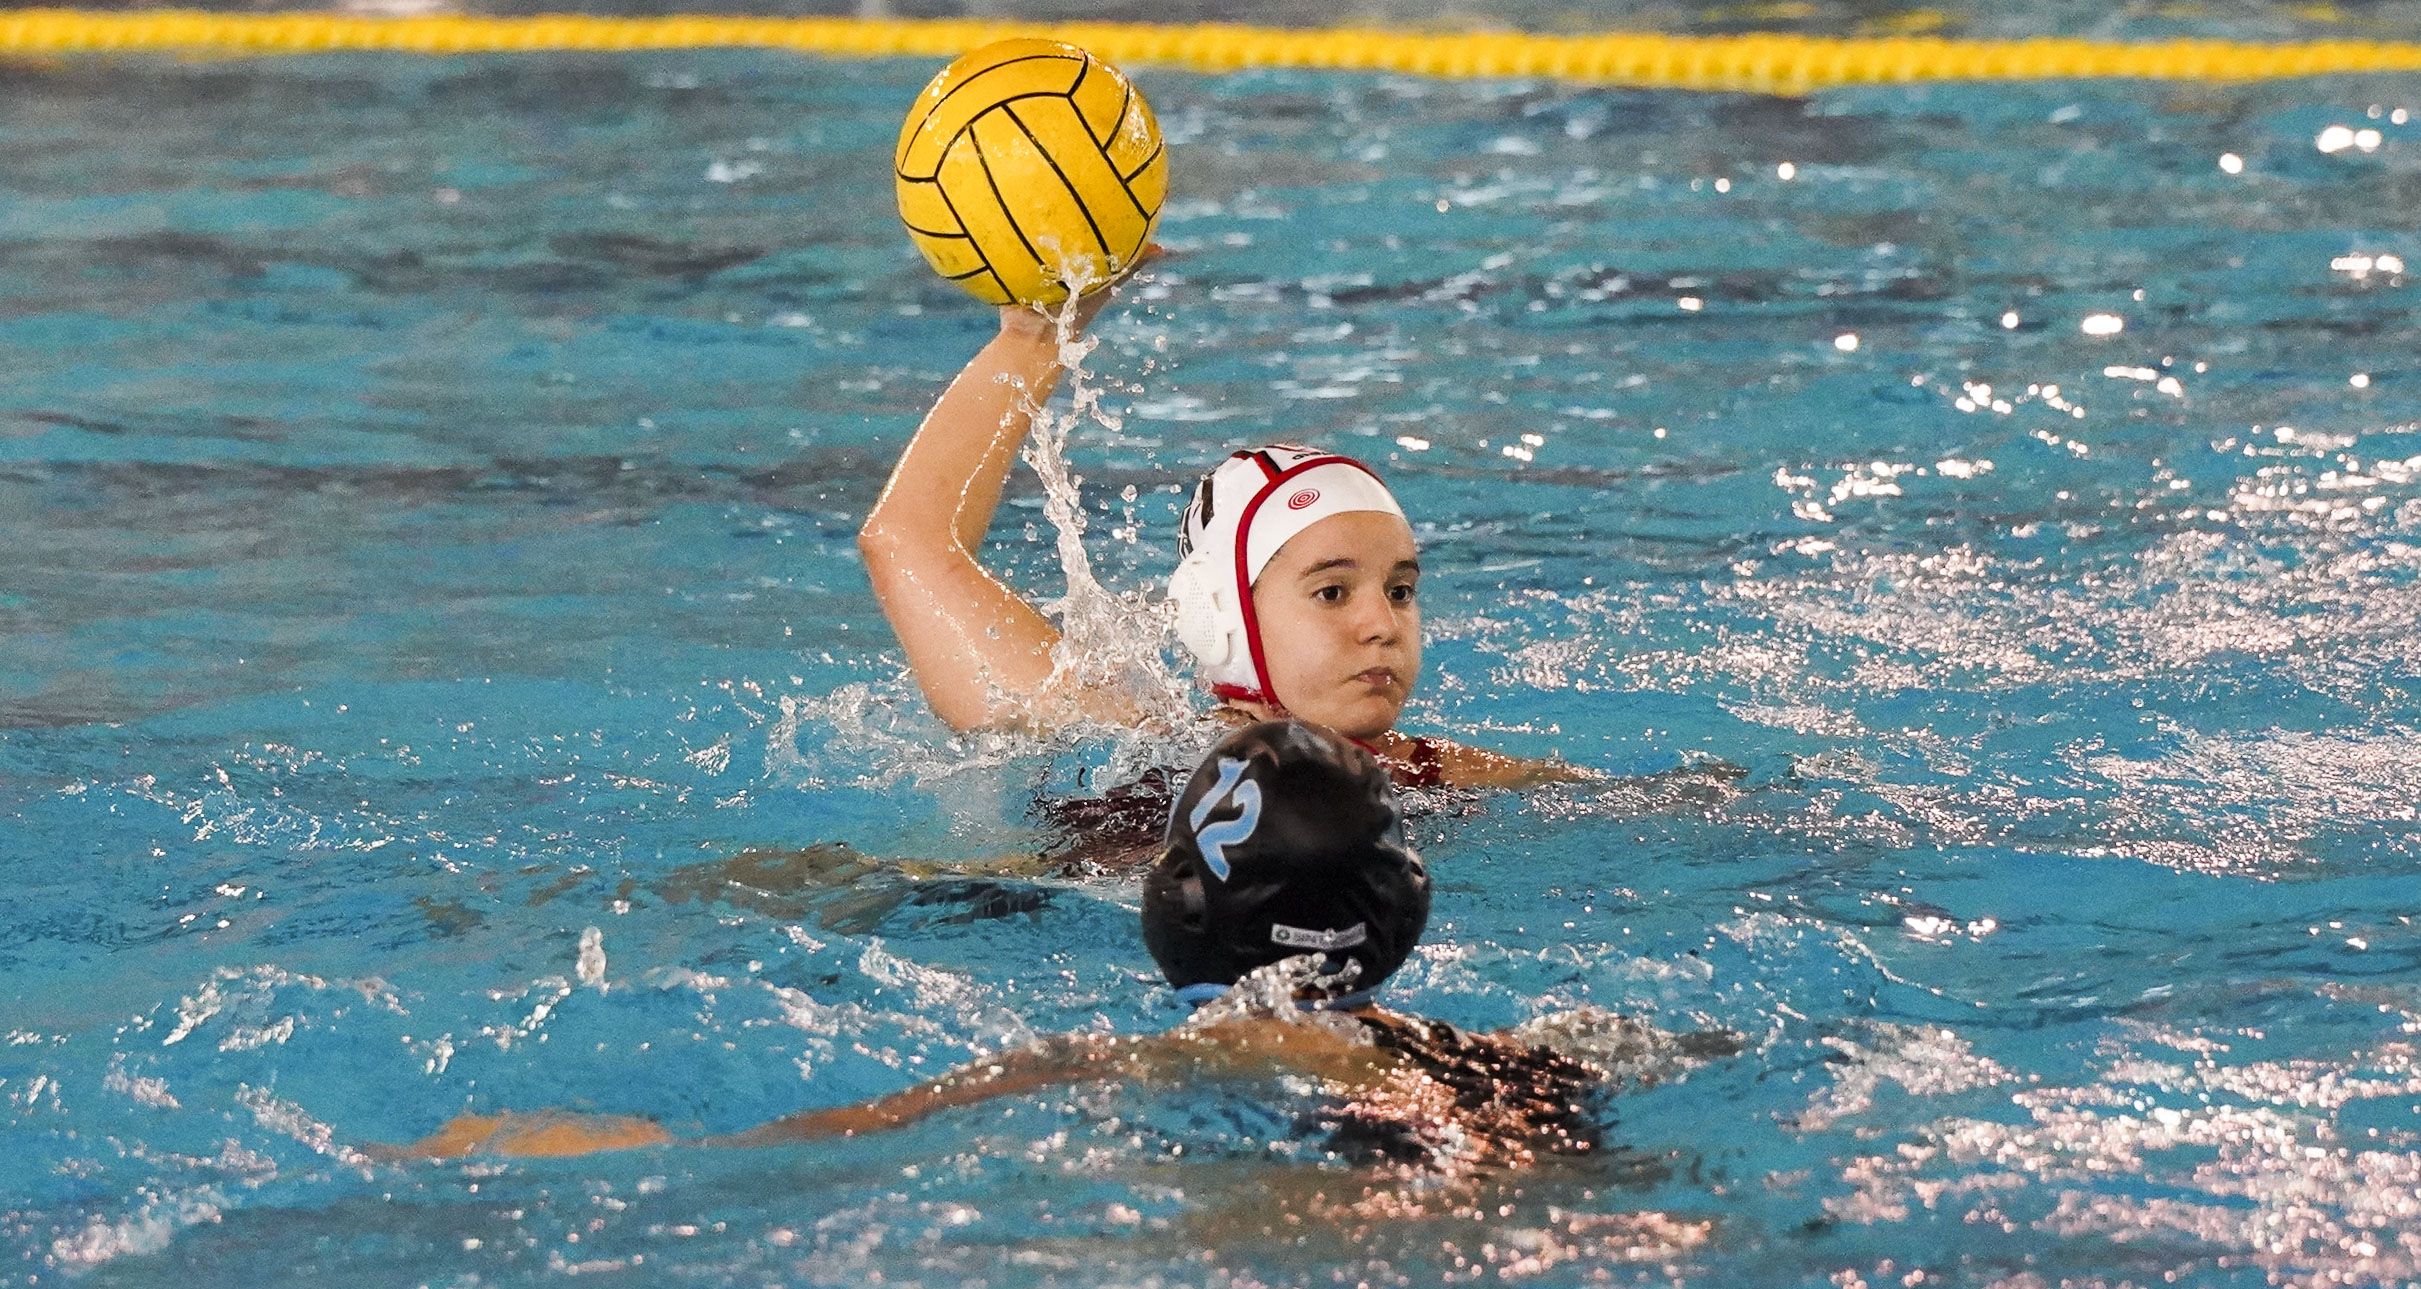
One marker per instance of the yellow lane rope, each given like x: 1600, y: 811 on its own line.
x: 1763, y: 63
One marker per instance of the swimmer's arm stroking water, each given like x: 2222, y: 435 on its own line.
x: 1230, y: 1049
x: 530, y: 1134
x: 981, y: 652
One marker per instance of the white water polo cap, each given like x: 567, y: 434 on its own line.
x: 1241, y: 514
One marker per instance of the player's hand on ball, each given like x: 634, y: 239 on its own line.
x: 1043, y: 320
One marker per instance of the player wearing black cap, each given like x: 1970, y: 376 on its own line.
x: 1286, y: 843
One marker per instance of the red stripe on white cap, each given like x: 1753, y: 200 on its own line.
x: 1244, y: 583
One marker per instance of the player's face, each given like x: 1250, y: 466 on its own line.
x: 1341, y: 622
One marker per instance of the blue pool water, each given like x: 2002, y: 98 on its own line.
x: 427, y: 491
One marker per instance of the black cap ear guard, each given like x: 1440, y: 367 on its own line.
x: 1286, y: 841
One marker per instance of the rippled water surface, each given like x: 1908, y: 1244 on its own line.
x: 426, y: 491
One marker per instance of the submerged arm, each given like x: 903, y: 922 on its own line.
x: 1474, y: 767
x: 1459, y: 765
x: 554, y: 1133
x: 1229, y: 1050
x: 1050, y: 1065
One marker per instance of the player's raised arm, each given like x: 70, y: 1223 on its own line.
x: 980, y: 652
x: 1024, y: 168
x: 973, y: 644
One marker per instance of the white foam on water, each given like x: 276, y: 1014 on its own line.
x: 1921, y: 1060
x: 988, y: 1023
x: 1269, y: 992
x: 148, y: 1229
x: 591, y: 967
x: 2251, y: 1163
x: 1625, y: 1050
x: 140, y: 1088
x: 552, y: 991
x: 943, y: 1010
x: 244, y: 1000
x: 1971, y: 626
x: 290, y: 1120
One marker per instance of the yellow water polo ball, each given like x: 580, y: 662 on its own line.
x: 1028, y: 163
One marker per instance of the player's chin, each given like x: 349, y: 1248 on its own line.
x: 1362, y: 714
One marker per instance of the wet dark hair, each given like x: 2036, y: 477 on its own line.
x: 1286, y: 841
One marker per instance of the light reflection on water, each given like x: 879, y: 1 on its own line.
x: 436, y: 674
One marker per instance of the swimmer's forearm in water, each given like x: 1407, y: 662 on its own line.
x: 535, y: 1134
x: 1025, y: 1070
x: 1476, y: 767
x: 1398, y: 1080
x: 1225, y: 1051
x: 1696, y: 782
x: 557, y: 1134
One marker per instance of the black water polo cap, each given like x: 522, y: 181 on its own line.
x: 1286, y: 841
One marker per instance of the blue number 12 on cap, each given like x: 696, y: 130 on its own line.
x: 1215, y: 839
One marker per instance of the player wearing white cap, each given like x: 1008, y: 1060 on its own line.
x: 1297, y: 592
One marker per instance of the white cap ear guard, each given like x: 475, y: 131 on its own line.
x: 1212, y: 586
x: 1207, y: 625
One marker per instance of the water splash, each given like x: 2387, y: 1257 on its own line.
x: 1111, y: 644
x: 1625, y: 1050
x: 151, y: 1227
x: 1270, y: 992
x: 1112, y: 648
x: 591, y: 965
x: 878, y: 734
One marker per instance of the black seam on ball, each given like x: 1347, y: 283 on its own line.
x: 1129, y: 177
x: 1064, y: 181
x: 1009, y: 218
x: 1081, y: 118
x: 962, y: 85
x: 969, y: 128
x: 977, y: 246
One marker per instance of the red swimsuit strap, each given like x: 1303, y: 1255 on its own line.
x: 1428, y: 767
